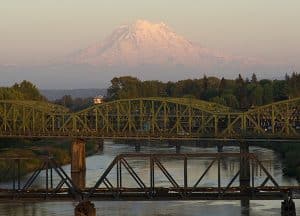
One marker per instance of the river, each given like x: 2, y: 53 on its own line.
x: 96, y: 164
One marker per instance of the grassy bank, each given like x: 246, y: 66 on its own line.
x: 290, y: 154
x: 59, y: 149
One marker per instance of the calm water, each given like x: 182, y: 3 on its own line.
x: 97, y: 164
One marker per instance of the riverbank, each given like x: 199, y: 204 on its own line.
x: 59, y: 149
x: 290, y: 154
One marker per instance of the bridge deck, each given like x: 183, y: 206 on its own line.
x: 160, y: 194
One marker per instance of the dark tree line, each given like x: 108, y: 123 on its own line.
x: 237, y: 93
x: 21, y: 91
x: 74, y: 104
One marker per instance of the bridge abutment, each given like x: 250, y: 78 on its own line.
x: 78, y: 165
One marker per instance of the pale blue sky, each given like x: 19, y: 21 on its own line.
x: 38, y: 30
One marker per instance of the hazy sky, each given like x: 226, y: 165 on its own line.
x: 32, y: 31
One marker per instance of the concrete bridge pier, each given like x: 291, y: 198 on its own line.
x: 85, y: 208
x: 244, y: 176
x: 178, y: 147
x: 288, y: 207
x: 78, y: 166
x: 244, y: 166
x: 100, y: 145
x: 137, y: 146
x: 245, y: 207
x: 220, y: 146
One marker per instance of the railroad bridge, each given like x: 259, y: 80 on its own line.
x: 111, y: 186
x: 150, y: 118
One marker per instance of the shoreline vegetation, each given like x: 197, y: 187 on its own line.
x: 238, y: 94
x: 59, y: 149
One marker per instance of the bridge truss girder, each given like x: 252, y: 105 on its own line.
x: 158, y: 118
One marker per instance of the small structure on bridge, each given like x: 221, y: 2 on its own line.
x: 98, y: 99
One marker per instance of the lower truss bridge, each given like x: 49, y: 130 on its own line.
x: 121, y: 181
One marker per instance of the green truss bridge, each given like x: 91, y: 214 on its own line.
x: 150, y: 118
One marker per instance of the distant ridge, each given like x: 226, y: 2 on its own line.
x: 53, y: 94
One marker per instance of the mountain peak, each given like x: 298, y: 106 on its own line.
x: 144, y: 43
x: 145, y: 24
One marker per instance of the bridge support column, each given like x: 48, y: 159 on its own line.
x: 137, y: 146
x: 78, y: 166
x: 244, y: 166
x: 78, y: 179
x: 178, y: 147
x: 85, y: 208
x: 100, y: 145
x: 245, y: 207
x: 220, y: 146
x: 288, y: 207
x: 244, y: 176
x: 78, y: 156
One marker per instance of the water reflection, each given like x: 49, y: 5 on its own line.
x: 98, y: 163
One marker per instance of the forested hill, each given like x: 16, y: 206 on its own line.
x: 237, y: 93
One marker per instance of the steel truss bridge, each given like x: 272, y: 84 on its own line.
x: 150, y: 118
x: 53, y: 183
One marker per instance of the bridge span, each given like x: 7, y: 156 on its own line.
x: 54, y: 183
x: 151, y: 118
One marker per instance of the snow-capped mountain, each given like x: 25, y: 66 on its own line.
x: 146, y: 43
x: 145, y: 50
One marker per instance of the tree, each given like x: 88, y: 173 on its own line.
x: 124, y: 87
x: 254, y: 79
x: 222, y: 86
x: 218, y: 100
x: 268, y: 93
x: 29, y: 91
x: 280, y: 90
x: 66, y: 101
x: 231, y: 101
x: 257, y: 95
x: 241, y: 92
x: 10, y: 94
x: 205, y: 83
